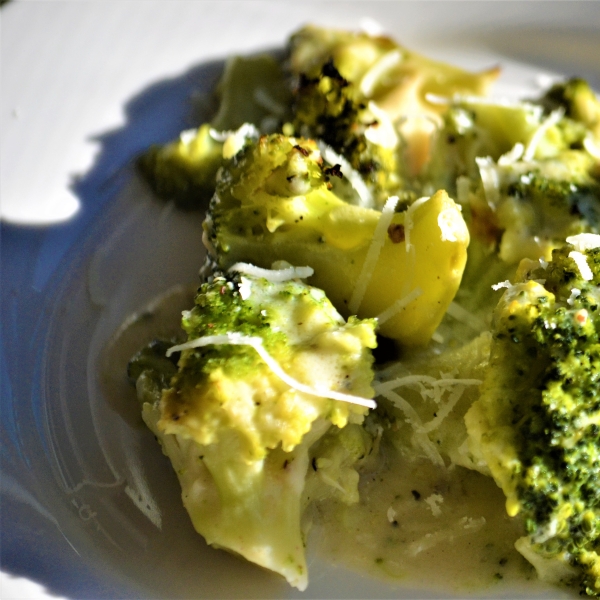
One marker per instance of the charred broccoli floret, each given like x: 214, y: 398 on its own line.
x: 268, y: 368
x: 354, y: 91
x: 537, y: 423
x: 328, y: 107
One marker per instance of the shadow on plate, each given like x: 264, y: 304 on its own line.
x: 90, y: 506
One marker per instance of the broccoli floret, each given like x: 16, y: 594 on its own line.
x: 537, y: 423
x: 328, y: 107
x: 273, y: 202
x: 351, y: 87
x: 240, y: 436
x: 252, y: 90
x: 476, y: 127
x: 184, y: 170
x: 537, y: 211
x: 520, y: 207
x: 399, y: 80
x: 565, y: 119
x: 577, y: 99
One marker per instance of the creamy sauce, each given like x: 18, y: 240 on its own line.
x: 416, y: 524
x: 426, y: 527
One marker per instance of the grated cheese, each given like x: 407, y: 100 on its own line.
x: 591, y: 147
x: 553, y: 118
x: 584, y: 241
x: 188, y: 136
x: 233, y: 141
x: 581, y: 262
x: 433, y: 502
x: 463, y: 526
x: 575, y: 293
x: 275, y: 275
x: 408, y: 219
x: 353, y: 176
x: 512, y: 156
x: 413, y: 419
x: 380, y: 68
x: 502, y: 284
x: 489, y: 177
x: 382, y: 133
x: 379, y: 237
x: 445, y: 410
x: 452, y: 225
x: 245, y: 288
x: 398, y: 305
x: 237, y: 339
x: 464, y: 316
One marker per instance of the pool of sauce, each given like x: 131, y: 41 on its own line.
x: 417, y: 525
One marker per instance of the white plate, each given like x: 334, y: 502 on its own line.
x: 85, y: 87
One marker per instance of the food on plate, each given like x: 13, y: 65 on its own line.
x: 273, y: 199
x: 269, y: 367
x: 401, y: 289
x: 536, y: 425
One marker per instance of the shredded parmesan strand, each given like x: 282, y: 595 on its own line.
x: 387, y: 214
x: 512, y: 156
x: 387, y: 62
x: 502, y: 284
x: 582, y: 265
x: 353, y: 176
x: 415, y: 421
x: 464, y: 316
x: 382, y: 133
x: 462, y: 527
x: 407, y: 380
x: 575, y: 293
x: 246, y: 130
x: 584, y: 241
x: 489, y: 177
x: 445, y: 410
x: 591, y: 146
x: 398, y: 305
x: 553, y: 118
x: 275, y: 275
x: 188, y: 136
x: 408, y: 219
x: 237, y: 339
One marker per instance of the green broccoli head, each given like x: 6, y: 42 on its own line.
x: 520, y: 205
x: 329, y: 107
x: 560, y: 125
x: 184, y: 170
x: 537, y: 423
x: 273, y: 202
x: 577, y: 99
x: 355, y: 91
x: 268, y: 368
